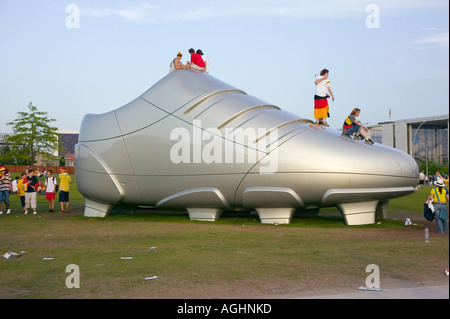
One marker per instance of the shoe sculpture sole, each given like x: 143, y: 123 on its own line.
x: 192, y: 142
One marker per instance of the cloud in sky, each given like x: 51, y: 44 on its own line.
x: 440, y: 39
x: 134, y: 14
x: 168, y: 11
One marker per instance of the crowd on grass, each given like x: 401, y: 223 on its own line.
x: 27, y: 187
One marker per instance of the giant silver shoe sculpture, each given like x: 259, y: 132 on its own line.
x: 192, y: 142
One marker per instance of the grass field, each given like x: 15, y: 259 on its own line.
x: 235, y: 257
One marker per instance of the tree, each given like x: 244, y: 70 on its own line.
x: 62, y: 161
x: 7, y: 157
x: 32, y: 136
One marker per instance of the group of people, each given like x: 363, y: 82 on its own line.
x: 27, y: 187
x: 426, y: 180
x: 351, y: 126
x: 198, y: 62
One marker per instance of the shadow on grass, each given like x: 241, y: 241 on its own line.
x: 327, y: 219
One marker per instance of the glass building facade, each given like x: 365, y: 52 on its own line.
x: 425, y: 139
x: 429, y: 142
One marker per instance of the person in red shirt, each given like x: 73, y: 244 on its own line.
x: 197, y: 62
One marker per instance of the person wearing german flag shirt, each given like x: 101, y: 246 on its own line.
x: 352, y: 126
x: 321, y: 106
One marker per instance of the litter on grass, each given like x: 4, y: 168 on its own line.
x: 150, y: 278
x: 11, y: 254
x: 126, y: 258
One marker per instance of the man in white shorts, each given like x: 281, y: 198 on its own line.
x: 30, y: 192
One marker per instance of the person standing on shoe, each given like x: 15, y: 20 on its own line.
x: 321, y: 107
x: 64, y: 186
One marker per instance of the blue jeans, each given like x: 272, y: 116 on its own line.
x: 441, y: 218
x: 353, y: 129
x: 4, y: 196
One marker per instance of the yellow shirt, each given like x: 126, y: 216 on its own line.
x: 65, y: 180
x: 442, y: 195
x: 21, y: 187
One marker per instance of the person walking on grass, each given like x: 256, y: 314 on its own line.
x: 439, y: 196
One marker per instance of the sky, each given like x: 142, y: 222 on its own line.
x: 70, y: 58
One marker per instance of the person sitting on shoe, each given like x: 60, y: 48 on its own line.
x: 197, y: 62
x: 352, y: 126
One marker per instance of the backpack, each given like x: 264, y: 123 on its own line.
x: 14, y: 186
x: 54, y: 183
x: 427, y: 212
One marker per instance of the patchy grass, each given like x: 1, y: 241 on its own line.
x: 235, y: 257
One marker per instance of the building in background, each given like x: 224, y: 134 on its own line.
x: 68, y: 140
x: 3, y: 139
x: 425, y: 139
